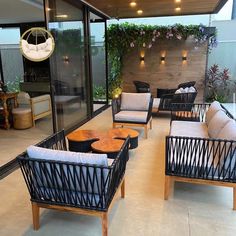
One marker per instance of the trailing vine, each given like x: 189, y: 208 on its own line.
x: 124, y: 37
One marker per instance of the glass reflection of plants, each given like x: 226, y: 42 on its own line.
x: 14, y: 86
x: 99, y: 93
x: 219, y: 84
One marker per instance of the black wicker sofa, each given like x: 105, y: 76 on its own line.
x: 83, y: 188
x: 201, y: 150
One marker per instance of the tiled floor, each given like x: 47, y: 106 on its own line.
x: 192, y: 210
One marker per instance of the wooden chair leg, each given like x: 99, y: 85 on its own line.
x: 234, y: 198
x: 35, y: 214
x: 123, y: 189
x: 146, y: 131
x: 167, y: 187
x: 104, y: 224
x: 151, y: 124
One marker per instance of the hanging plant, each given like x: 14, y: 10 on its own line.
x: 122, y: 38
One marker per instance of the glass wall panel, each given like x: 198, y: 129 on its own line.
x: 98, y: 59
x: 68, y: 63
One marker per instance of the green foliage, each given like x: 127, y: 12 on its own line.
x: 218, y: 84
x: 122, y: 38
x: 99, y: 92
x: 14, y: 86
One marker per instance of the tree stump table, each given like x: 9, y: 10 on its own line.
x: 102, y: 142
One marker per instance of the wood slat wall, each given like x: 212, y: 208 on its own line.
x: 170, y: 74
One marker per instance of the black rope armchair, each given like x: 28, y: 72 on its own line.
x: 195, y: 159
x: 83, y: 188
x: 142, y: 87
x: 132, y: 115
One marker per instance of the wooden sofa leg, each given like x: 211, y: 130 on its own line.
x: 113, y: 125
x: 167, y: 187
x: 146, y: 131
x: 104, y: 224
x: 35, y: 214
x: 234, y: 198
x: 123, y: 189
x: 151, y: 124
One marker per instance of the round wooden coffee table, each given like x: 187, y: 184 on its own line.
x: 123, y: 133
x: 109, y: 146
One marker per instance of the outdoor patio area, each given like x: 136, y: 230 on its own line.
x: 191, y: 209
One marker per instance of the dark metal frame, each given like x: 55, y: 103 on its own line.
x: 72, y: 184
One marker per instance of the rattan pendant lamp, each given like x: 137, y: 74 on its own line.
x: 39, y: 51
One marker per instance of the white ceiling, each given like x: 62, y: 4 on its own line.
x: 18, y: 11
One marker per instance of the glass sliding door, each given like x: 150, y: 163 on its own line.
x: 66, y: 23
x: 98, y: 60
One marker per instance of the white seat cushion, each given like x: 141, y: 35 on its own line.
x: 135, y: 101
x: 214, y: 107
x: 189, y: 129
x: 131, y: 116
x: 217, y: 122
x: 156, y: 103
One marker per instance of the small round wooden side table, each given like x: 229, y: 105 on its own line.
x: 122, y: 133
x: 109, y: 146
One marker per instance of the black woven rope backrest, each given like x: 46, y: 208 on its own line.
x: 201, y: 158
x: 56, y: 141
x: 74, y: 184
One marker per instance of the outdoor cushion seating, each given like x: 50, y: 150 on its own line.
x: 40, y: 106
x: 132, y: 109
x: 202, y: 152
x: 84, y: 183
x: 141, y: 87
x: 166, y: 97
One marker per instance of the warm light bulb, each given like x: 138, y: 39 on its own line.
x: 133, y: 4
x: 140, y: 12
x: 177, y: 9
x: 177, y: 1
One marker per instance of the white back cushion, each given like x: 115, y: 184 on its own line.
x: 229, y: 131
x: 135, y: 101
x: 67, y: 156
x: 216, y: 124
x: 214, y: 107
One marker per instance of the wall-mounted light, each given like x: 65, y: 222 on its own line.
x: 66, y: 59
x: 184, y: 56
x: 142, y: 58
x: 163, y: 57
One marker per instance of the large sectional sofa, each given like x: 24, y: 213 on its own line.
x: 204, y: 150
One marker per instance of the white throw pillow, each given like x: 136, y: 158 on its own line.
x: 191, y: 89
x: 135, y: 101
x: 67, y: 156
x: 218, y: 121
x: 214, y: 107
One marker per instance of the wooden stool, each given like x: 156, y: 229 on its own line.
x: 22, y: 118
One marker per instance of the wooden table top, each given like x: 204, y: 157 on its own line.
x: 123, y: 133
x: 85, y: 135
x: 107, y: 145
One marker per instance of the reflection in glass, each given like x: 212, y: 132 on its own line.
x: 98, y: 58
x: 67, y: 63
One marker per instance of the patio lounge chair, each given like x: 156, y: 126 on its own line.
x: 141, y: 87
x: 83, y: 183
x: 185, y: 93
x: 133, y: 109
